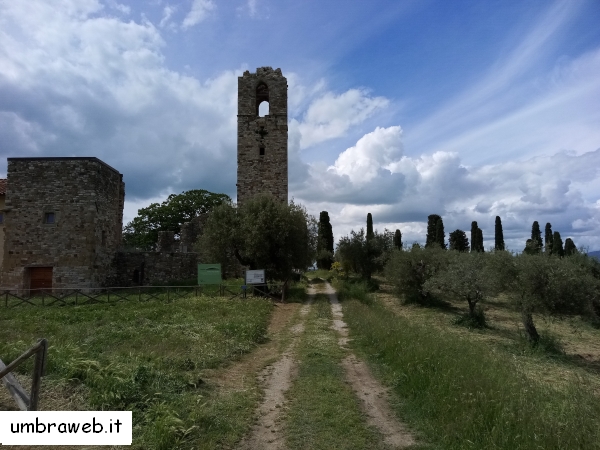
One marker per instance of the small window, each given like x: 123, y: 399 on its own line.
x: 261, y: 151
x: 103, y: 238
x: 49, y: 217
x: 263, y: 109
x: 1, y: 218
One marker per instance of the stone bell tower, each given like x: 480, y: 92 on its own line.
x: 262, y: 141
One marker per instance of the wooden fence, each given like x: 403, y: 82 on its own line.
x: 24, y: 401
x: 11, y: 298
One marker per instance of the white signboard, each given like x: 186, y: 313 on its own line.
x: 255, y: 276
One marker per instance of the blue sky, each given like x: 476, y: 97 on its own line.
x: 399, y: 108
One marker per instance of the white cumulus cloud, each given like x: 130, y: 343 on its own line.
x: 374, y: 151
x: 199, y: 11
x: 331, y: 116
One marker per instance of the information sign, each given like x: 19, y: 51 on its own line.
x: 255, y: 276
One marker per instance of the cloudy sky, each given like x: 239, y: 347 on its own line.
x: 399, y: 108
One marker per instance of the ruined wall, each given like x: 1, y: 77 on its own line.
x: 2, y: 201
x: 86, y: 197
x: 190, y: 232
x: 145, y: 268
x: 262, y: 141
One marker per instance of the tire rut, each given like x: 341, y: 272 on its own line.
x: 372, y: 394
x: 266, y: 434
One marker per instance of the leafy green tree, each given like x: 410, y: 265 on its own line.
x: 398, y: 240
x: 264, y: 233
x: 548, y: 238
x: 557, y: 245
x: 570, y: 248
x: 499, y: 235
x: 459, y: 241
x: 325, y: 242
x: 408, y: 271
x: 364, y: 257
x: 552, y: 286
x: 468, y: 277
x: 142, y: 232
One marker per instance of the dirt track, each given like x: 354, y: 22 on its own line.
x: 277, y: 378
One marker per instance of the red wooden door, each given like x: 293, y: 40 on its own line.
x: 40, y: 277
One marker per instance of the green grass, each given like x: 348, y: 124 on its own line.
x: 460, y: 393
x: 149, y: 357
x: 319, y: 273
x: 355, y: 288
x: 323, y: 411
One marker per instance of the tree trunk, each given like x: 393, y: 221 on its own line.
x: 472, y: 305
x: 532, y: 334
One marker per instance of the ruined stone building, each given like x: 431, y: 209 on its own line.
x: 262, y: 147
x: 2, y: 202
x: 63, y: 219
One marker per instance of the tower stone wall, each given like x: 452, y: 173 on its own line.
x: 61, y: 213
x: 262, y: 141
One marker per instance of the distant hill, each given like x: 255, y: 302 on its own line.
x: 595, y: 254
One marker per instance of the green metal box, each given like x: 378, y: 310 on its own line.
x: 209, y: 274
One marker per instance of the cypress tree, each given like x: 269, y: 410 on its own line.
x: 474, y: 228
x: 499, y: 235
x: 570, y: 248
x: 398, y: 240
x: 557, y: 245
x: 480, y: 240
x: 369, y: 226
x: 431, y: 229
x: 536, y: 236
x: 440, y: 236
x: 548, y: 238
x: 324, y: 241
x: 476, y: 238
x: 458, y: 241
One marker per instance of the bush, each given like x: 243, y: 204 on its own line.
x: 408, y: 271
x: 475, y: 319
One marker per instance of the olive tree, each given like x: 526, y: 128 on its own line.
x: 548, y: 285
x: 264, y: 233
x: 467, y: 276
x: 408, y: 271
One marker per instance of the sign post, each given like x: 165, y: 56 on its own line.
x: 209, y: 274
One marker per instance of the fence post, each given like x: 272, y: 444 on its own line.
x: 38, y: 371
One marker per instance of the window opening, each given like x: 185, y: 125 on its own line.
x: 263, y: 109
x: 262, y: 96
x: 261, y: 151
x: 49, y: 217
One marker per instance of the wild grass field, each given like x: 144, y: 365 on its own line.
x: 480, y: 388
x: 189, y: 369
x: 148, y: 357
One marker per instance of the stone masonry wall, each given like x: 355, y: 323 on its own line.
x: 258, y: 173
x: 145, y: 268
x: 86, y: 196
